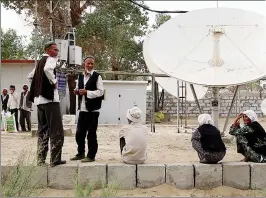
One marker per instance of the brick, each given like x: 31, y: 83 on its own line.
x: 91, y: 173
x: 150, y: 175
x: 236, y: 175
x: 258, y: 177
x: 180, y: 175
x: 122, y: 174
x: 63, y: 176
x: 208, y: 175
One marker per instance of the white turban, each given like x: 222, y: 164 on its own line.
x: 205, y: 119
x: 251, y: 115
x: 134, y: 114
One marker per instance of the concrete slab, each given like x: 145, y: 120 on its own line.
x: 6, y: 170
x: 37, y: 175
x: 63, y: 176
x: 258, y: 176
x: 236, y: 175
x: 92, y: 173
x: 123, y: 175
x: 67, y: 132
x: 180, y: 175
x: 150, y: 175
x: 208, y: 176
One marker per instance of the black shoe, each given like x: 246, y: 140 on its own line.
x: 42, y: 164
x: 78, y: 157
x: 58, y: 163
x: 207, y: 162
x: 87, y: 159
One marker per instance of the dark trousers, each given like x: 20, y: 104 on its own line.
x: 87, y: 126
x: 25, y: 115
x: 50, y: 126
x: 15, y: 111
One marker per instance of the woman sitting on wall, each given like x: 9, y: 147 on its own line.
x: 207, y: 141
x: 133, y: 138
x: 251, y: 138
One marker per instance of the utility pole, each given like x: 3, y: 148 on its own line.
x: 51, y: 21
x: 35, y: 23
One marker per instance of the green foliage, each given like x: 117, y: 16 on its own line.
x: 159, y: 20
x: 12, y: 46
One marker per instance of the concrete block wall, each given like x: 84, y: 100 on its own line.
x: 238, y: 175
x: 248, y: 100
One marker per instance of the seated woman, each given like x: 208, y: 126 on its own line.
x: 133, y: 138
x: 207, y: 141
x: 251, y: 138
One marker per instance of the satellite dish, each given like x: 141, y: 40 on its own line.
x: 213, y: 46
x: 170, y: 84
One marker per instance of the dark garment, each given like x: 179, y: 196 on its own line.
x: 40, y: 83
x: 15, y: 111
x: 92, y: 104
x: 211, y: 139
x: 25, y: 115
x: 244, y: 148
x: 4, y: 102
x: 87, y: 126
x: 205, y: 156
x: 122, y: 143
x: 28, y: 102
x: 50, y: 126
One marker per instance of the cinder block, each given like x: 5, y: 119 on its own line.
x: 94, y: 174
x: 38, y: 175
x: 236, y: 175
x: 7, y: 170
x: 123, y: 175
x: 258, y: 176
x: 63, y: 176
x: 150, y: 175
x: 208, y: 176
x: 181, y: 175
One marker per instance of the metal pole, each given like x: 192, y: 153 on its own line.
x: 215, y: 106
x: 229, y: 112
x: 195, y: 97
x: 153, y: 104
x: 185, y: 107
x: 177, y: 107
x: 1, y: 69
x: 238, y: 97
x: 51, y: 20
x: 35, y: 23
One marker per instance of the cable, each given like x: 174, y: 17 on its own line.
x: 158, y: 11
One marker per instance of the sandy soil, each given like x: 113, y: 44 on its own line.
x: 164, y: 146
x: 165, y: 191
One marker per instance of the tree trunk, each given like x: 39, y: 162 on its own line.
x: 71, y: 86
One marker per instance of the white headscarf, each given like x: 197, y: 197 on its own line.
x: 134, y: 114
x: 205, y: 119
x: 251, y: 115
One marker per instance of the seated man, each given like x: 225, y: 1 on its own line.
x: 251, y: 138
x: 207, y: 141
x: 133, y: 138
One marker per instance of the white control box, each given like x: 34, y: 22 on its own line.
x: 75, y: 55
x: 62, y: 46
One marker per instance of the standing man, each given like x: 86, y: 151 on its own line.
x: 90, y: 95
x: 4, y: 99
x: 13, y: 103
x: 44, y: 93
x: 25, y: 108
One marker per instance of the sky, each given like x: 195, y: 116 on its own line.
x: 9, y: 18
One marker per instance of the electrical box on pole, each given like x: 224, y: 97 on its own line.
x: 63, y: 49
x: 75, y: 55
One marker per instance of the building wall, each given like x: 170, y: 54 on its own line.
x: 248, y: 100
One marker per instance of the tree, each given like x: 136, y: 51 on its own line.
x: 112, y: 35
x: 12, y: 45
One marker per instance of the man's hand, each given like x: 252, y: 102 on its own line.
x: 236, y: 122
x: 83, y: 92
x: 76, y: 91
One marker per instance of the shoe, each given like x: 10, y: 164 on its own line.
x: 58, y: 163
x: 86, y: 159
x: 42, y: 164
x: 78, y: 157
x: 207, y: 162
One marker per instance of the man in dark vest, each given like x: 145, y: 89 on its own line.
x: 25, y: 109
x: 44, y: 93
x: 90, y: 95
x: 4, y: 99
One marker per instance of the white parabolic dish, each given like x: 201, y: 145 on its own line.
x: 169, y: 83
x: 213, y: 46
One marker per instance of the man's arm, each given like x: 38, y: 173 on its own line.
x: 99, y: 91
x: 30, y: 76
x: 236, y: 130
x: 196, y: 143
x: 49, y: 69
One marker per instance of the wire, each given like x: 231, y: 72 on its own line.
x: 158, y: 11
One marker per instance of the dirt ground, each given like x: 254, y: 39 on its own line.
x: 164, y: 146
